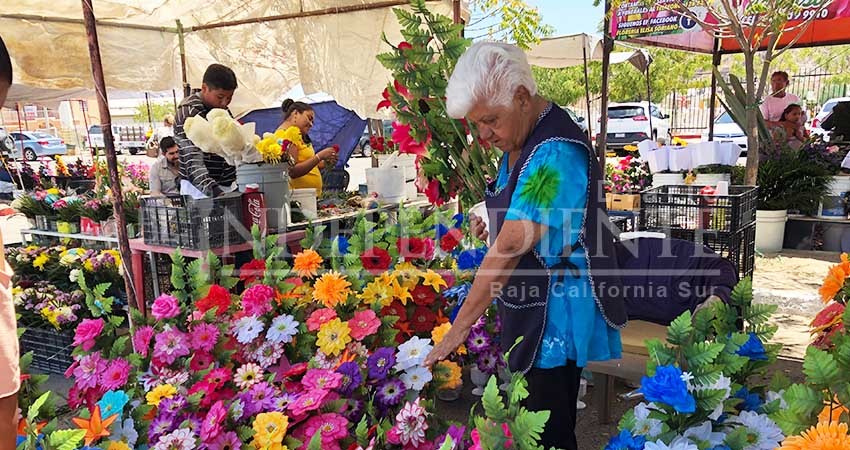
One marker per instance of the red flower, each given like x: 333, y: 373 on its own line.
x: 201, y: 361
x: 375, y: 260
x: 254, y: 270
x: 386, y: 102
x: 296, y: 370
x: 395, y: 309
x: 401, y: 89
x: 423, y: 320
x: 217, y: 297
x: 423, y: 295
x: 406, y: 142
x: 451, y: 240
x: 433, y: 193
x: 405, y: 46
x: 414, y: 248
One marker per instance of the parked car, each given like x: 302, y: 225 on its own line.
x: 364, y: 148
x: 824, y: 112
x: 579, y: 120
x: 629, y: 123
x: 129, y: 138
x: 726, y: 130
x: 35, y: 144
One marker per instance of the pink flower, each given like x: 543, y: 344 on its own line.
x: 319, y: 318
x: 200, y: 361
x: 204, y: 337
x: 87, y: 373
x: 331, y: 426
x: 211, y: 428
x: 364, y: 323
x: 476, y: 440
x: 87, y: 331
x: 165, y: 307
x: 170, y: 345
x: 308, y: 401
x: 406, y: 142
x: 321, y: 379
x: 411, y: 424
x: 142, y: 340
x: 257, y: 300
x: 432, y: 191
x: 116, y: 374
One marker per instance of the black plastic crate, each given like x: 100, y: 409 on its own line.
x: 738, y: 247
x: 682, y: 207
x: 177, y: 221
x: 51, y: 349
x: 161, y: 268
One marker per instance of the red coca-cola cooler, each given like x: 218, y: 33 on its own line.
x: 254, y: 208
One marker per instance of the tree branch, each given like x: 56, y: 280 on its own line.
x: 802, y: 27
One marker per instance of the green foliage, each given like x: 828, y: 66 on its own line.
x: 517, y: 22
x: 787, y: 180
x: 66, y: 439
x: 158, y: 112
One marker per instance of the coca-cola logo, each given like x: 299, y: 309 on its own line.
x: 255, y: 208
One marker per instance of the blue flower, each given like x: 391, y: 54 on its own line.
x: 720, y: 447
x: 470, y: 259
x: 751, y: 401
x: 753, y: 349
x: 342, y: 244
x: 441, y: 230
x: 625, y: 441
x: 112, y: 403
x: 668, y: 387
x: 458, y: 219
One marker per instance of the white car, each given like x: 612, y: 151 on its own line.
x: 824, y: 112
x: 726, y: 130
x: 630, y: 123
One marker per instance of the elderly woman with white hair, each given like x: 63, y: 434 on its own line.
x: 551, y: 265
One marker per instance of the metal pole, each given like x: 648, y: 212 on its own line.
x: 20, y: 129
x: 649, y: 99
x: 712, y: 109
x: 74, y: 125
x: 111, y: 159
x: 586, y: 90
x: 174, y: 97
x: 84, y: 110
x: 148, y: 103
x: 182, y: 42
x: 607, y: 47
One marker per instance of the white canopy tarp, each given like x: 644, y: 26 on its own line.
x: 576, y: 49
x: 326, y: 52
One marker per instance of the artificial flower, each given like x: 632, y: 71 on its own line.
x: 307, y: 263
x: 142, y: 340
x: 364, y: 323
x: 390, y: 392
x: 375, y: 260
x: 112, y: 403
x: 448, y: 375
x: 626, y: 441
x: 377, y: 292
x: 423, y: 295
x: 269, y: 429
x: 257, y: 299
x: 667, y: 387
x: 204, y: 337
x: 87, y: 332
x: 411, y: 424
x: 212, y: 425
x: 308, y: 401
x: 451, y: 240
x: 217, y: 297
x: 415, y: 248
x: 332, y: 427
x: 380, y: 362
x: 412, y: 353
x: 823, y: 436
x: 395, y: 309
x: 126, y: 433
x: 282, y: 329
x: 678, y: 443
x: 829, y: 316
x: 406, y: 142
x: 87, y: 372
x: 753, y: 349
x: 163, y: 391
x: 320, y: 317
x: 116, y: 374
x: 180, y: 439
x: 832, y: 412
x: 434, y: 280
x: 834, y: 281
x: 333, y: 336
x: 415, y: 378
x: 331, y: 289
x: 252, y: 271
x: 95, y: 426
x: 247, y: 329
x: 247, y: 375
x: 170, y: 345
x: 762, y: 432
x: 165, y: 307
x: 350, y: 378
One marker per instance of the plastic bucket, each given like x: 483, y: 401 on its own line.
x: 770, y: 230
x: 388, y: 183
x: 711, y: 179
x: 273, y: 180
x: 407, y: 162
x: 667, y: 179
x: 309, y: 203
x: 832, y: 206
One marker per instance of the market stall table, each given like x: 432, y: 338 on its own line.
x: 77, y: 236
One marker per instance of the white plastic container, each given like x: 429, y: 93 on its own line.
x: 388, y: 183
x: 712, y: 179
x: 667, y: 179
x: 832, y: 206
x: 770, y: 230
x: 309, y: 203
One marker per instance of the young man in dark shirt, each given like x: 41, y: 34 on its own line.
x: 208, y: 173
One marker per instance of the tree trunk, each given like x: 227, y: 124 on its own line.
x: 751, y: 176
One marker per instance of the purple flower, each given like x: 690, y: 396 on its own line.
x: 380, y: 362
x: 171, y: 407
x: 160, y: 426
x: 355, y: 410
x: 351, y: 378
x: 88, y: 371
x: 478, y: 341
x: 260, y: 398
x: 490, y: 361
x: 226, y: 441
x: 390, y: 392
x: 283, y: 401
x: 170, y: 345
x: 456, y: 432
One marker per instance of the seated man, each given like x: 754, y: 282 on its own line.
x: 165, y: 172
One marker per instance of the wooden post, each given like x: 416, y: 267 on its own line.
x: 174, y: 97
x: 607, y: 47
x: 186, y: 89
x: 111, y: 159
x: 712, y: 109
x: 649, y: 98
x: 586, y: 89
x: 148, y: 104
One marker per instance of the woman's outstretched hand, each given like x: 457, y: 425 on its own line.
x: 476, y: 225
x: 451, y: 342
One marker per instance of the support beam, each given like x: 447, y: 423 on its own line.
x: 100, y: 23
x: 716, y: 58
x: 111, y: 159
x: 182, y: 43
x: 587, y: 93
x: 607, y: 48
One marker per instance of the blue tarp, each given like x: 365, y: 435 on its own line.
x: 333, y: 124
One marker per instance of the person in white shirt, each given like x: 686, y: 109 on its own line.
x: 165, y: 172
x: 775, y: 103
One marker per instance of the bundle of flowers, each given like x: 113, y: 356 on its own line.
x: 97, y: 210
x: 30, y: 206
x: 62, y: 266
x: 452, y: 161
x: 221, y: 134
x: 381, y: 145
x: 700, y: 391
x: 43, y: 305
x: 630, y: 175
x: 61, y: 168
x: 68, y: 209
x: 138, y: 172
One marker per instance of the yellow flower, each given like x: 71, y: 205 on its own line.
x: 331, y: 289
x: 447, y: 375
x: 40, y: 261
x: 439, y: 333
x: 293, y: 135
x: 160, y: 392
x: 270, y: 429
x: 434, y: 280
x: 307, y: 263
x: 51, y: 315
x: 115, y: 255
x: 408, y: 274
x: 823, y: 436
x: 53, y: 191
x: 333, y: 337
x: 117, y: 445
x: 377, y: 292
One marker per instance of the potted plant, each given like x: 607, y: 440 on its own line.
x: 829, y: 156
x: 68, y: 214
x: 786, y: 182
x: 627, y: 180
x: 93, y: 213
x: 712, y: 174
x: 33, y: 209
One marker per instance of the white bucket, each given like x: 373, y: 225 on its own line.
x: 832, y: 206
x: 667, y: 179
x: 273, y: 180
x: 388, y: 183
x: 480, y: 210
x: 407, y: 162
x: 307, y: 199
x: 770, y: 230
x: 712, y: 179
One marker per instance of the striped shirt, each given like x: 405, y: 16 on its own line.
x: 206, y: 171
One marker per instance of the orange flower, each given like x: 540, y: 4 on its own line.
x: 834, y: 281
x: 331, y: 289
x: 823, y: 436
x: 832, y: 413
x: 307, y: 263
x: 95, y: 426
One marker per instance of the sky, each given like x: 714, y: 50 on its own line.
x: 570, y: 16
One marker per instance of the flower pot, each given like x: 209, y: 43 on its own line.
x: 832, y: 206
x: 52, y: 225
x: 68, y: 227
x: 770, y: 230
x: 479, y: 379
x: 711, y: 179
x: 273, y: 180
x: 41, y: 223
x: 667, y: 179
x: 108, y: 228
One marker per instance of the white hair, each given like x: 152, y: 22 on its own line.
x: 489, y: 71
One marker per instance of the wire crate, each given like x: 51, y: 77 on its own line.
x: 738, y: 247
x: 51, y: 349
x: 682, y: 207
x: 177, y: 221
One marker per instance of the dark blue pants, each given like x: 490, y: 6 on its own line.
x: 556, y: 390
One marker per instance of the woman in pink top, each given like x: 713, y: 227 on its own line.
x: 10, y: 371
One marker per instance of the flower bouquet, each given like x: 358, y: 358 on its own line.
x: 43, y: 305
x: 627, y: 179
x: 139, y: 174
x: 221, y: 134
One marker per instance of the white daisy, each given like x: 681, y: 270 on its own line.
x: 248, y: 375
x: 125, y: 432
x: 644, y: 426
x: 412, y: 353
x: 415, y: 378
x: 772, y: 396
x: 688, y: 378
x: 704, y: 434
x: 247, y: 329
x: 764, y: 433
x: 679, y: 443
x: 283, y: 329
